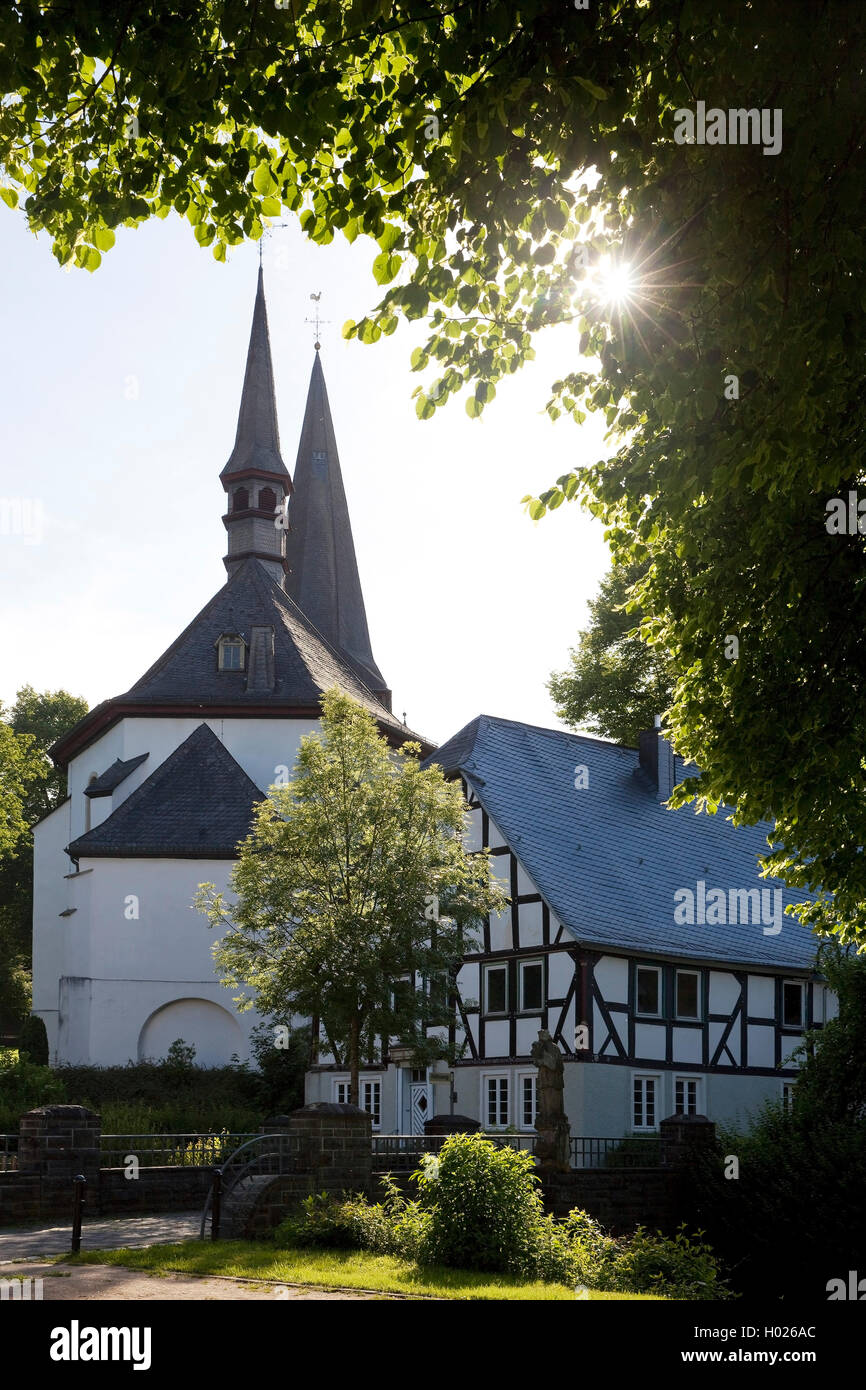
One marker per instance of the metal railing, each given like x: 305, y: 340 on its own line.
x: 629, y: 1151
x: 402, y: 1152
x: 8, y: 1153
x: 169, y: 1150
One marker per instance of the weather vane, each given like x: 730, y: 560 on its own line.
x: 317, y: 320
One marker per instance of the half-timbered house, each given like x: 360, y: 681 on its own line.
x: 642, y: 938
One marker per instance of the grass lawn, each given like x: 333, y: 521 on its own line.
x: 347, y: 1269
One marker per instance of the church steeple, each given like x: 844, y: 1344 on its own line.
x: 255, y: 478
x: 323, y: 571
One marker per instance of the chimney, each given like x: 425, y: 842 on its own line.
x: 656, y: 757
x: 260, y: 664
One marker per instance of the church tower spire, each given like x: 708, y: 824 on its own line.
x: 323, y: 574
x: 255, y: 478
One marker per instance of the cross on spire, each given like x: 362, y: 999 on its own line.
x: 316, y: 319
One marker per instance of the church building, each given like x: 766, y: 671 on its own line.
x: 642, y: 939
x: 162, y: 779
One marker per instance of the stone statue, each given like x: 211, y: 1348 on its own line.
x: 553, y: 1145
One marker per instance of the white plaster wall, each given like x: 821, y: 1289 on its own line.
x: 724, y: 992
x: 168, y: 939
x: 761, y: 996
x: 51, y: 896
x: 611, y: 973
x: 531, y: 924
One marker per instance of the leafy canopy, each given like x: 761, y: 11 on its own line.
x: 353, y: 898
x: 615, y: 684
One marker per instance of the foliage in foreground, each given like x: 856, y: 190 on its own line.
x: 479, y: 1208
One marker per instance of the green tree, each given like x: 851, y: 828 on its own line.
x: 615, y: 684
x: 30, y: 787
x: 831, y: 1086
x: 46, y: 716
x: 353, y: 898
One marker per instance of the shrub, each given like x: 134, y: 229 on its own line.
x: 644, y: 1262
x: 794, y: 1217
x: 34, y: 1040
x: 485, y: 1205
x: 394, y: 1226
x: 24, y: 1085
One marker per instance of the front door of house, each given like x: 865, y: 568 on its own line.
x: 420, y: 1101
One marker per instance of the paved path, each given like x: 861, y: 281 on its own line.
x: 84, y: 1283
x: 28, y: 1243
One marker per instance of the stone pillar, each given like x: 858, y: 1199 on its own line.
x: 60, y: 1141
x: 55, y: 1144
x: 334, y: 1146
x: 685, y: 1137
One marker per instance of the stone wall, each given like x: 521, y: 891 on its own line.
x: 620, y: 1198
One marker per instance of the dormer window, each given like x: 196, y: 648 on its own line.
x: 231, y: 649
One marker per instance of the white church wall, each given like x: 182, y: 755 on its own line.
x: 137, y: 964
x: 142, y: 918
x: 50, y: 898
x: 90, y: 763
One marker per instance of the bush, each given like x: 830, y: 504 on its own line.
x: 24, y: 1085
x: 644, y: 1262
x: 394, y: 1226
x: 34, y: 1040
x: 794, y: 1216
x: 485, y: 1204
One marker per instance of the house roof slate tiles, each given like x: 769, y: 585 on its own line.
x: 609, y: 858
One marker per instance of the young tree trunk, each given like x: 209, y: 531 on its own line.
x: 354, y: 1062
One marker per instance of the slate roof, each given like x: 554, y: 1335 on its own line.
x: 197, y: 804
x: 186, y: 675
x: 257, y: 442
x: 105, y: 784
x: 323, y: 574
x: 608, y: 859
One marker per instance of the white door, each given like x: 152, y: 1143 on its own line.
x: 420, y: 1105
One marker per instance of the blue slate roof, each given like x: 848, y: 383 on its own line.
x: 198, y: 804
x: 608, y: 859
x: 106, y: 783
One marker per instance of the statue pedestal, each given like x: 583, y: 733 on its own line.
x: 552, y: 1147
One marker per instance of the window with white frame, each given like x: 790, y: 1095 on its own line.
x: 371, y: 1101
x: 496, y: 1098
x: 528, y: 1099
x: 530, y: 974
x: 687, y: 1002
x: 648, y: 990
x: 792, y: 1003
x: 371, y: 1098
x: 231, y: 649
x: 645, y: 1101
x: 688, y: 1095
x: 496, y: 989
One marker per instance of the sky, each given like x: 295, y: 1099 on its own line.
x: 120, y: 396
